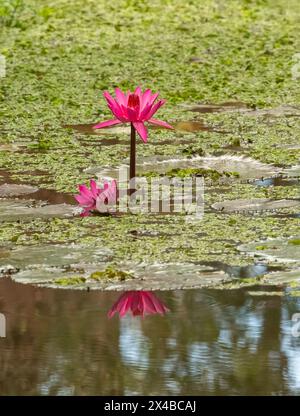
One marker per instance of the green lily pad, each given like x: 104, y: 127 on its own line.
x: 246, y: 169
x: 253, y: 205
x: 11, y: 189
x: 160, y: 276
x: 293, y: 172
x: 277, y: 249
x: 56, y: 255
x: 13, y: 210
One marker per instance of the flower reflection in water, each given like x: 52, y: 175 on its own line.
x: 139, y: 303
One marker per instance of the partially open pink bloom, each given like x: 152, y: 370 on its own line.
x: 91, y: 199
x: 139, y: 302
x: 134, y: 107
x: 107, y: 198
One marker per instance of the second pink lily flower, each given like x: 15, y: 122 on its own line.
x: 136, y: 108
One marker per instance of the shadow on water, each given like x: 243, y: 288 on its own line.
x: 209, y: 342
x: 219, y: 108
x: 276, y: 181
x: 244, y: 272
x: 47, y: 195
x: 189, y: 126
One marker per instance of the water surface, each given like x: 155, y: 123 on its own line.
x: 211, y: 342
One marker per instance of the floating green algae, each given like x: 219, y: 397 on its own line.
x: 212, y: 174
x: 111, y: 273
x: 69, y: 281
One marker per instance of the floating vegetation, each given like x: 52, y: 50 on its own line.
x: 111, y: 273
x: 211, y: 174
x: 69, y: 281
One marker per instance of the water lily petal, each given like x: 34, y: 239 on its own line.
x: 141, y: 129
x: 153, y: 98
x: 144, y: 113
x: 85, y: 191
x: 138, y: 91
x: 132, y: 114
x: 85, y: 213
x: 120, y: 96
x: 109, y: 98
x: 160, y: 123
x: 155, y: 108
x: 107, y: 123
x: 82, y: 200
x: 94, y: 188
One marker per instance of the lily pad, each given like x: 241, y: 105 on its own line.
x: 218, y: 108
x: 194, y: 126
x: 261, y: 204
x: 56, y: 255
x: 12, y: 189
x: 135, y: 277
x: 283, y: 277
x: 293, y: 172
x: 245, y: 168
x: 277, y: 249
x: 281, y: 111
x: 13, y: 210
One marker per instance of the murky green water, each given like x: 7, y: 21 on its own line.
x: 211, y: 342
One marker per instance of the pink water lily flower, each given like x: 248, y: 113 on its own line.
x: 92, y: 199
x: 134, y: 107
x: 108, y: 196
x: 139, y: 302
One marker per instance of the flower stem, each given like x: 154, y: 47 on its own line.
x: 132, y: 153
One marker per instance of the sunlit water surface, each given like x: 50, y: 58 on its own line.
x: 61, y: 342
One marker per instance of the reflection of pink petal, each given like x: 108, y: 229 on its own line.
x: 139, y: 303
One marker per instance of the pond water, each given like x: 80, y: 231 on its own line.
x: 210, y: 342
